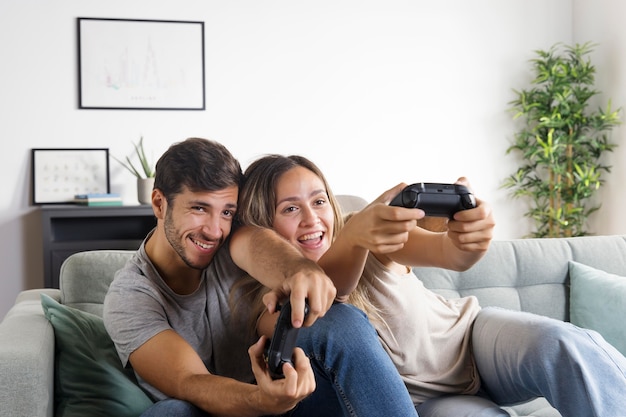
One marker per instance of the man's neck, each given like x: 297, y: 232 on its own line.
x: 181, y: 278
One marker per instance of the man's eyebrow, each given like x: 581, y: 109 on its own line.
x: 198, y: 203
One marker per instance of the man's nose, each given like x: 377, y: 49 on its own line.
x: 212, y: 227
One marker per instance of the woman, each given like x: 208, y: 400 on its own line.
x: 439, y: 346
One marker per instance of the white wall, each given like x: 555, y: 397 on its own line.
x: 602, y: 22
x: 375, y: 92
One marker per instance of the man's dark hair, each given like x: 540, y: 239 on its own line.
x: 198, y: 164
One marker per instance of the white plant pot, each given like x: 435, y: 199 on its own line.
x: 144, y: 190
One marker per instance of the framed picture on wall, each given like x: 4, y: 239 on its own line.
x: 140, y: 64
x: 59, y: 174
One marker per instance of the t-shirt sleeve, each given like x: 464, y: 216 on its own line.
x: 132, y: 313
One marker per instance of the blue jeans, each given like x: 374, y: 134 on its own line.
x: 353, y: 373
x: 521, y: 356
x: 173, y: 408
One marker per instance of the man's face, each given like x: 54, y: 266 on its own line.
x: 197, y: 223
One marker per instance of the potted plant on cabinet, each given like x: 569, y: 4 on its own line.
x: 562, y: 142
x: 144, y: 173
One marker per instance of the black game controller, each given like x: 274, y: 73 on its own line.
x: 279, y: 350
x: 437, y: 200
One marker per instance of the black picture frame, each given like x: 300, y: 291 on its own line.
x: 58, y: 174
x: 140, y: 64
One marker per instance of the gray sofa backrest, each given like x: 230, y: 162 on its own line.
x: 529, y: 274
x: 85, y: 277
x: 521, y: 274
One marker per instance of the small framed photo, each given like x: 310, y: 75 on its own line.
x: 59, y: 174
x: 137, y: 64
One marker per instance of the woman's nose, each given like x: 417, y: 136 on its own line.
x: 309, y: 216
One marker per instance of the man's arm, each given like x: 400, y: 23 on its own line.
x: 171, y: 365
x: 278, y: 265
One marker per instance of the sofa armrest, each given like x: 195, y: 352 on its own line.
x: 27, y: 358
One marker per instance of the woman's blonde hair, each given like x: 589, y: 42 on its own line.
x: 257, y: 207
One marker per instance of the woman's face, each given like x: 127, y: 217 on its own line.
x: 304, y: 216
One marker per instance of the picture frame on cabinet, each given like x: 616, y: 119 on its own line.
x: 58, y: 174
x: 139, y: 64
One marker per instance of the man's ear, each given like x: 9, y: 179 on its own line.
x: 159, y: 203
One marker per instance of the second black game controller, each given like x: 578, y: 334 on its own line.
x: 437, y: 200
x: 279, y: 350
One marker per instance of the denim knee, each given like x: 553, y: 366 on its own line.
x: 354, y: 373
x: 341, y: 325
x: 173, y: 408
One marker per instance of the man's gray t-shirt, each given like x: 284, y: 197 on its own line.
x: 139, y: 305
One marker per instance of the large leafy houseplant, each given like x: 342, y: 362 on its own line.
x: 562, y: 142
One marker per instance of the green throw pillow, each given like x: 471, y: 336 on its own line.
x: 597, y: 302
x: 89, y: 377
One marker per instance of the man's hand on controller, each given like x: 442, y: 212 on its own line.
x: 276, y: 397
x: 308, y: 284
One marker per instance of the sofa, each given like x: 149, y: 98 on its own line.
x: 524, y: 274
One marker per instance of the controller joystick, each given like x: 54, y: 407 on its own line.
x: 279, y: 350
x: 436, y: 199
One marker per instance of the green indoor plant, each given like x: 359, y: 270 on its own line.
x: 146, y: 167
x: 144, y: 173
x: 562, y: 142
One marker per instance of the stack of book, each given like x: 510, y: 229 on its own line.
x: 99, y: 199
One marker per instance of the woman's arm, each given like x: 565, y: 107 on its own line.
x: 392, y: 234
x: 379, y: 229
x: 461, y: 246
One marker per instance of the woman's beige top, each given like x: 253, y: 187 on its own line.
x: 427, y: 336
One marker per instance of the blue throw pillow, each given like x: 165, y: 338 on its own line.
x: 597, y: 302
x: 89, y: 377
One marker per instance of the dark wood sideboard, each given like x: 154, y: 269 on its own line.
x: 68, y: 229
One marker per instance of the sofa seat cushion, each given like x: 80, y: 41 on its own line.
x: 539, y: 407
x: 597, y: 302
x: 89, y: 377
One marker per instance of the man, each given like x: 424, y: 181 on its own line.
x: 168, y: 311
